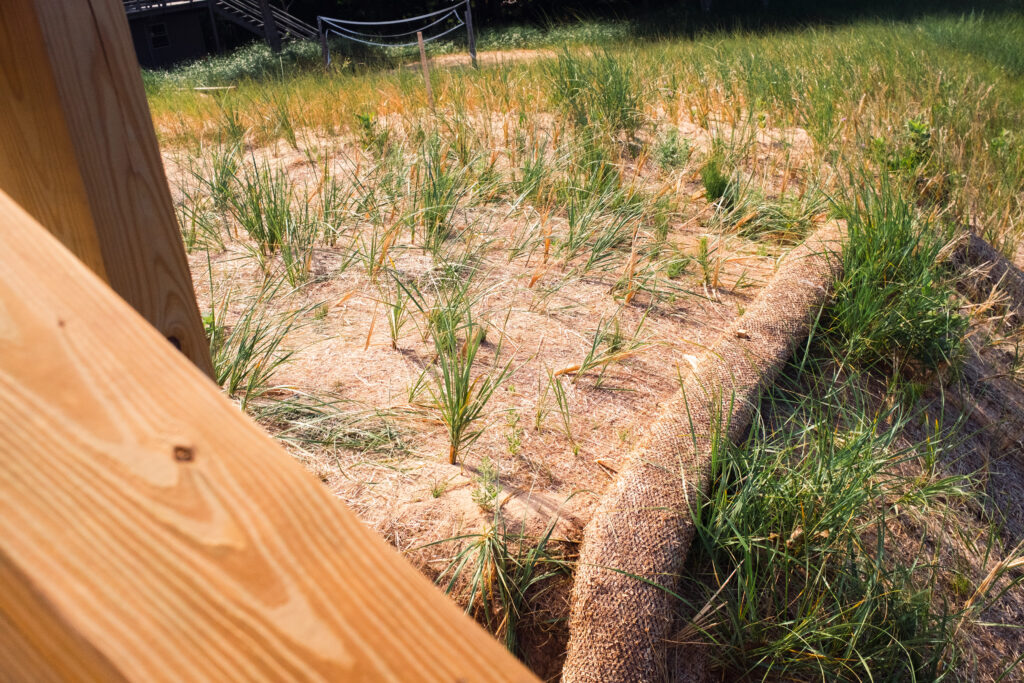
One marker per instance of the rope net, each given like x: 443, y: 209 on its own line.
x: 443, y: 22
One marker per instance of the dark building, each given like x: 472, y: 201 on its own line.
x: 166, y: 32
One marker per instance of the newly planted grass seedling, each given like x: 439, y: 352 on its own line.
x: 396, y: 303
x: 616, y: 232
x: 500, y: 571
x: 247, y: 352
x: 514, y: 438
x: 608, y: 345
x: 334, y: 199
x: 221, y: 180
x: 200, y: 225
x: 439, y: 186
x: 533, y: 173
x: 459, y: 391
x: 487, y: 487
x: 459, y: 396
x: 562, y: 403
x: 709, y: 263
x: 372, y: 247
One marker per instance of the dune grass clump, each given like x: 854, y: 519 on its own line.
x: 439, y: 187
x: 502, y: 571
x: 894, y: 304
x: 817, y: 546
x: 598, y: 90
x: 248, y: 352
x: 265, y: 206
x: 460, y: 387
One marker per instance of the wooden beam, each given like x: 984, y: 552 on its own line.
x: 78, y: 152
x: 150, y: 531
x: 270, y: 32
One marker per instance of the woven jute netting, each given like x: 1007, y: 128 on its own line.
x: 636, y: 543
x: 983, y: 269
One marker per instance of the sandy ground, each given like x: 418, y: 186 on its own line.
x: 542, y: 322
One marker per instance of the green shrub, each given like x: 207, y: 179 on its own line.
x: 718, y: 186
x: 672, y: 152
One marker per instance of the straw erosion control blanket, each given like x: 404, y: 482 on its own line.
x: 638, y: 539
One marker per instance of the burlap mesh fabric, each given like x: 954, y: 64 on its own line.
x: 986, y: 269
x: 619, y: 624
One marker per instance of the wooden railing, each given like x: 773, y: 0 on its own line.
x: 148, y: 529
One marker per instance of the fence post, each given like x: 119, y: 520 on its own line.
x: 213, y: 27
x: 426, y: 69
x: 270, y: 27
x: 469, y: 30
x: 324, y: 51
x: 78, y: 152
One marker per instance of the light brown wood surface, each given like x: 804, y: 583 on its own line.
x: 38, y: 168
x: 150, y: 531
x: 78, y: 152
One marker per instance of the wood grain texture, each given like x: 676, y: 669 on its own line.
x: 38, y: 168
x: 150, y: 531
x: 80, y: 154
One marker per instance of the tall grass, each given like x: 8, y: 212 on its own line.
x: 248, y: 348
x: 820, y: 550
x: 265, y: 206
x: 846, y: 85
x: 599, y: 90
x: 460, y: 388
x: 894, y: 304
x: 439, y: 186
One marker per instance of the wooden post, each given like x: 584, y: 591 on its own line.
x: 472, y: 36
x: 324, y: 49
x: 426, y: 69
x: 78, y: 152
x: 213, y: 27
x: 270, y: 32
x: 150, y: 531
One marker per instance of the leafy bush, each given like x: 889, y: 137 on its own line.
x: 671, y: 151
x: 255, y: 61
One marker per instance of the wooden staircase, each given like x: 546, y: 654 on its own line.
x: 245, y: 13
